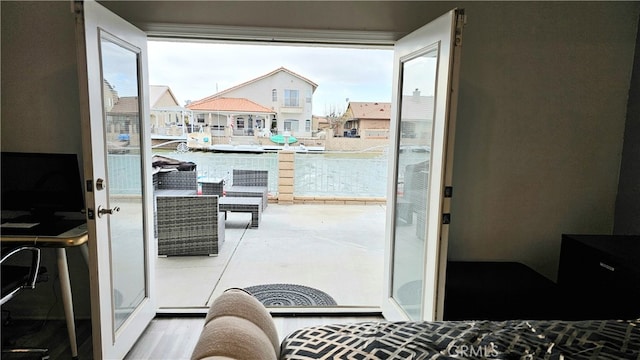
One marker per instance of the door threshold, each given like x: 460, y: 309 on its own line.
x: 201, y: 311
x: 325, y: 311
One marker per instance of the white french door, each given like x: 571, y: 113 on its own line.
x: 112, y: 62
x: 418, y: 198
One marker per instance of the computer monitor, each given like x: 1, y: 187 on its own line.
x: 43, y: 184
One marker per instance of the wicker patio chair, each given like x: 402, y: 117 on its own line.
x: 250, y: 183
x: 189, y: 225
x: 177, y: 180
x: 172, y: 183
x: 250, y: 177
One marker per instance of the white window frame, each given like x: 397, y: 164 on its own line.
x: 289, y: 98
x: 240, y: 122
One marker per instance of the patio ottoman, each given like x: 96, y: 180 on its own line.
x: 251, y: 205
x: 249, y: 191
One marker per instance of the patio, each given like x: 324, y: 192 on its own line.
x: 338, y: 249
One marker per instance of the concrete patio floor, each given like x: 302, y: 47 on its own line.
x: 338, y: 249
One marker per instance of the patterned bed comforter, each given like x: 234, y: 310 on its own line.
x: 594, y: 339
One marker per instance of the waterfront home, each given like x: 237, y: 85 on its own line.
x: 170, y: 122
x: 367, y: 119
x: 287, y: 96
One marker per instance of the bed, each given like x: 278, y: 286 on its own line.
x: 496, y: 293
x: 238, y: 326
x: 512, y: 339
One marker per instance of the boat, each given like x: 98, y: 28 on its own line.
x: 256, y: 149
x: 279, y: 139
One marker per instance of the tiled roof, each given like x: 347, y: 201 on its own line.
x: 221, y: 93
x: 320, y: 119
x: 370, y: 110
x: 229, y: 104
x: 126, y: 104
x: 417, y: 107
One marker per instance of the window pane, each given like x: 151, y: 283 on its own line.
x: 124, y: 161
x: 291, y: 98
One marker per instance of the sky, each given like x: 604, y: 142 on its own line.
x: 194, y: 70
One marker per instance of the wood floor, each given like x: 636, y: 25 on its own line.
x: 175, y: 338
x: 170, y: 338
x: 49, y: 334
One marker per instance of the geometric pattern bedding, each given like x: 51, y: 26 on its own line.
x: 513, y: 339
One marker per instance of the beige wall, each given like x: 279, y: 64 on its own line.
x: 41, y: 113
x: 374, y: 124
x: 543, y: 95
x: 356, y: 144
x: 40, y: 110
x: 166, y: 100
x: 628, y: 201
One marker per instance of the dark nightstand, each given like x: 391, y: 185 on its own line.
x: 479, y: 290
x: 599, y: 276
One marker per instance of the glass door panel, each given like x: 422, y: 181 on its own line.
x: 416, y: 123
x: 124, y: 176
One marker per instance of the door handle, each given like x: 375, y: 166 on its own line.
x: 103, y: 211
x: 607, y: 266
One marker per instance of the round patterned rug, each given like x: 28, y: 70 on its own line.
x: 410, y: 293
x: 290, y: 295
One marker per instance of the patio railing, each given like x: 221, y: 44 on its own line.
x: 124, y: 174
x: 314, y: 174
x: 359, y: 177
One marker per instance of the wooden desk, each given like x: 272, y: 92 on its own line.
x: 77, y: 236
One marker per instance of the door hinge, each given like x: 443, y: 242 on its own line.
x: 446, y: 218
x: 461, y: 21
x: 448, y: 191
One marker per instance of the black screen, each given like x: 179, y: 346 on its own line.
x: 41, y: 183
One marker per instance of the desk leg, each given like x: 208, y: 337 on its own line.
x: 84, y: 249
x: 65, y: 288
